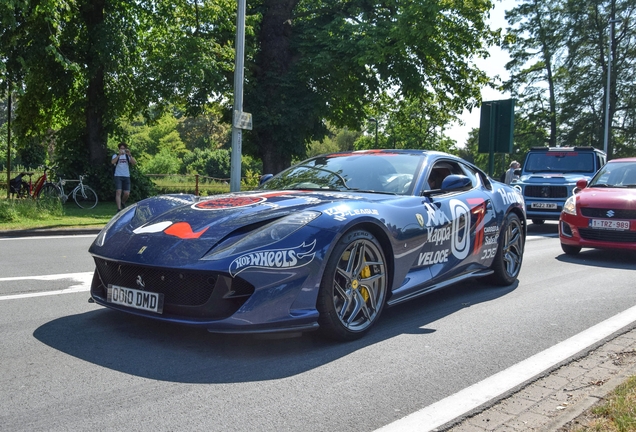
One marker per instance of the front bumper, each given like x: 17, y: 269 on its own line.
x: 212, y: 300
x: 576, y: 231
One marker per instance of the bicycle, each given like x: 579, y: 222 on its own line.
x: 84, y: 196
x: 42, y: 188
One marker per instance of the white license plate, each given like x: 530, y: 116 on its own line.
x: 609, y: 224
x: 542, y: 205
x: 134, y: 298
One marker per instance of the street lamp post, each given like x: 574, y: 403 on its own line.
x: 376, y: 130
x: 608, y: 91
x: 235, y: 161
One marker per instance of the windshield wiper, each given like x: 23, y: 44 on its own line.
x: 372, y: 191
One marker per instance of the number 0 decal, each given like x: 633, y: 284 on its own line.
x: 460, y: 243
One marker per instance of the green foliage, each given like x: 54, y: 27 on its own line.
x: 337, y: 140
x: 331, y: 60
x: 164, y: 162
x: 250, y: 180
x: 559, y: 60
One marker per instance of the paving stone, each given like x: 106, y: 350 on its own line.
x: 553, y: 382
x: 489, y: 420
x: 535, y: 393
x: 515, y: 405
x: 528, y: 421
x: 546, y: 407
x: 570, y: 372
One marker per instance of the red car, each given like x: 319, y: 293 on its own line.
x: 602, y: 214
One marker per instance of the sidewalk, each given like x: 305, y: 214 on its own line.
x: 558, y: 399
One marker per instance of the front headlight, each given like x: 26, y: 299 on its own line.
x: 126, y: 214
x: 266, y: 235
x: 570, y: 206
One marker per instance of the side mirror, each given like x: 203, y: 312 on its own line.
x: 580, y: 184
x: 264, y: 178
x: 455, y: 182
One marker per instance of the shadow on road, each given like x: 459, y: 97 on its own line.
x: 548, y: 229
x: 614, y: 259
x: 168, y: 352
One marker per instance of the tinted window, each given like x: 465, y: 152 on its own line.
x: 388, y: 173
x: 562, y: 162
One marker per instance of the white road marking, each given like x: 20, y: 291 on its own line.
x: 83, y: 284
x: 47, y: 237
x: 465, y: 400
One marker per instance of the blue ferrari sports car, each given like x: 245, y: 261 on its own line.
x: 325, y: 244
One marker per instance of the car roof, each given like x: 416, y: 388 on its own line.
x: 564, y: 149
x: 629, y: 159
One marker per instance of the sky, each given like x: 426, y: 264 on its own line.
x: 493, y: 66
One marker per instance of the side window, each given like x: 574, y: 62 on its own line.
x: 443, y: 169
x: 471, y: 174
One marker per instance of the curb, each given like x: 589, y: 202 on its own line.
x: 48, y: 232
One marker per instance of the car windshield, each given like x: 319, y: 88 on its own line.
x: 390, y: 173
x: 561, y: 162
x: 616, y: 174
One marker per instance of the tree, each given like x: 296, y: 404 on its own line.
x: 91, y: 63
x: 535, y: 42
x: 559, y: 70
x: 331, y: 59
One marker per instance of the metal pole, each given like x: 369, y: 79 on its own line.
x: 607, y: 92
x: 235, y: 161
x: 9, y: 142
x: 376, y: 131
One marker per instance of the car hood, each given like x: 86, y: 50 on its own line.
x: 608, y: 198
x: 176, y: 230
x: 553, y: 178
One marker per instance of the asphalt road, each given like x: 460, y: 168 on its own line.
x: 71, y: 365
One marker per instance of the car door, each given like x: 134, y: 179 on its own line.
x: 456, y: 223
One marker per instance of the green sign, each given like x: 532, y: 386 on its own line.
x: 496, y: 126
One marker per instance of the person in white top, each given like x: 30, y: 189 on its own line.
x: 510, y: 174
x: 122, y: 162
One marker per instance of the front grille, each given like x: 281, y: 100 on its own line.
x: 178, y: 287
x: 608, y: 235
x: 197, y: 295
x: 602, y: 213
x: 534, y: 191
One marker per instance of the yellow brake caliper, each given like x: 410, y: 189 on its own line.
x: 365, y: 273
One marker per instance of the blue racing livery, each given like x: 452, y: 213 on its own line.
x: 325, y: 244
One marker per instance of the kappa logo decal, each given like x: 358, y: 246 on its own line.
x: 275, y: 259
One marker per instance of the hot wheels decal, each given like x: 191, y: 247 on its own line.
x: 510, y: 197
x: 274, y: 259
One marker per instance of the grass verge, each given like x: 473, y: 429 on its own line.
x: 33, y: 214
x: 616, y: 414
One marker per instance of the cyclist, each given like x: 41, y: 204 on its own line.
x: 122, y: 162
